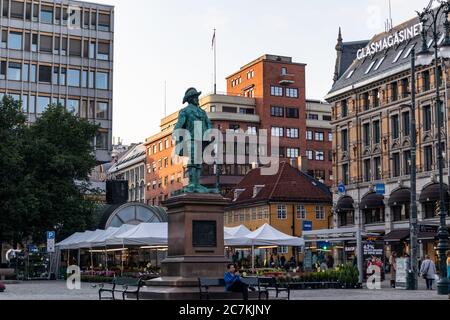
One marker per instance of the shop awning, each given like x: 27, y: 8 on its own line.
x: 397, y: 235
x: 400, y: 197
x: 345, y: 204
x: 372, y: 201
x: 432, y: 194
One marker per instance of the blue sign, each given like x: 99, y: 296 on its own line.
x: 51, y: 235
x: 341, y: 188
x: 307, y: 226
x: 324, y: 245
x: 380, y: 189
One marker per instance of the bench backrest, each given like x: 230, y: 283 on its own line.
x: 270, y: 282
x: 204, y: 282
x: 251, y: 281
x: 133, y: 282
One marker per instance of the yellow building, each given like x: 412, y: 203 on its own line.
x: 289, y: 201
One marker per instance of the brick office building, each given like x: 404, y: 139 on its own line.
x: 268, y: 93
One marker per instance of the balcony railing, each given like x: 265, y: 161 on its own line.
x: 286, y: 79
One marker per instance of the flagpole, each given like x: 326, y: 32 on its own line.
x: 215, y: 63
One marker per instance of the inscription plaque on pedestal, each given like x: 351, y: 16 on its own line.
x: 204, y: 234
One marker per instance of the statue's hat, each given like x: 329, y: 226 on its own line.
x: 191, y: 92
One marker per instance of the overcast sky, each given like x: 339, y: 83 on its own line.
x: 170, y: 40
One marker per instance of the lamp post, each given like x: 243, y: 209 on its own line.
x: 413, y: 285
x: 425, y: 58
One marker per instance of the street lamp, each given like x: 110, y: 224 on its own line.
x: 425, y: 58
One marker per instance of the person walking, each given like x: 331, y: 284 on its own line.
x: 393, y: 263
x: 448, y: 264
x: 428, y: 272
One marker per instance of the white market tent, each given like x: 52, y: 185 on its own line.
x: 148, y: 234
x: 269, y: 236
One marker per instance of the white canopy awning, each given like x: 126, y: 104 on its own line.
x: 269, y: 236
x: 148, y: 234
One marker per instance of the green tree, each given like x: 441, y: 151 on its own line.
x: 13, y: 203
x: 59, y: 158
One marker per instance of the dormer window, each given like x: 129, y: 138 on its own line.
x: 237, y: 193
x: 257, y: 189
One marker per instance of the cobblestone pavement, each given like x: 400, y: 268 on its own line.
x: 56, y: 290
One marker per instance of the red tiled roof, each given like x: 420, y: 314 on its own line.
x: 289, y: 184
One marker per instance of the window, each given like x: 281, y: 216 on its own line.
x: 73, y: 106
x: 365, y: 99
x: 17, y: 9
x: 407, y: 162
x: 309, y: 135
x: 102, y: 110
x: 396, y: 165
x: 5, y: 8
x: 313, y: 116
x: 406, y: 124
x: 45, y: 74
x: 394, y: 91
x: 247, y: 215
x: 301, y: 213
x: 376, y: 132
x: 310, y: 154
x: 63, y: 76
x: 84, y: 79
x: 14, y: 71
x: 33, y: 72
x: 2, y: 72
x: 426, y: 80
x: 4, y: 38
x: 320, y: 156
x: 427, y: 118
x: 102, y: 141
x: 370, y: 66
x: 366, y: 134
x: 377, y: 168
x: 75, y: 47
x: 277, y: 132
x: 91, y: 80
x: 428, y: 155
x: 102, y: 80
x: 320, y: 213
x: 34, y: 43
x: 25, y: 72
x: 292, y: 152
x: 395, y: 130
x: 15, y: 41
x: 367, y: 170
x: 104, y: 22
x: 344, y: 140
x: 42, y: 104
x: 320, y: 136
x: 276, y: 91
x: 282, y: 250
x: 46, y: 44
x: 266, y: 214
x: 376, y: 98
x: 73, y: 77
x: 254, y: 216
x: 344, y: 108
x: 283, y: 71
x: 282, y: 212
x: 292, y: 113
x: 47, y: 14
x: 345, y: 174
x: 326, y: 118
x: 292, y: 133
x: 260, y: 214
x: 291, y: 93
x: 277, y: 112
x: 252, y: 131
x: 405, y: 88
x: 103, y: 51
x: 330, y: 137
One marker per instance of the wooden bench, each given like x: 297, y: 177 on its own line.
x: 271, y: 284
x: 129, y: 286
x: 254, y: 282
x: 204, y: 284
x: 6, y: 273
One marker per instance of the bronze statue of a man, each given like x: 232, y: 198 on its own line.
x: 195, y: 120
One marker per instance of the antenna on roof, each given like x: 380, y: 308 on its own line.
x: 389, y: 22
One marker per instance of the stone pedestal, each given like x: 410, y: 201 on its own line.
x: 196, y: 240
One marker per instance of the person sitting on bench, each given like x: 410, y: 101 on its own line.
x: 233, y: 282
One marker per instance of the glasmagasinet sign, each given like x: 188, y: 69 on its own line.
x: 390, y: 41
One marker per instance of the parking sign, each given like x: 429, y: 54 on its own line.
x: 51, y: 235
